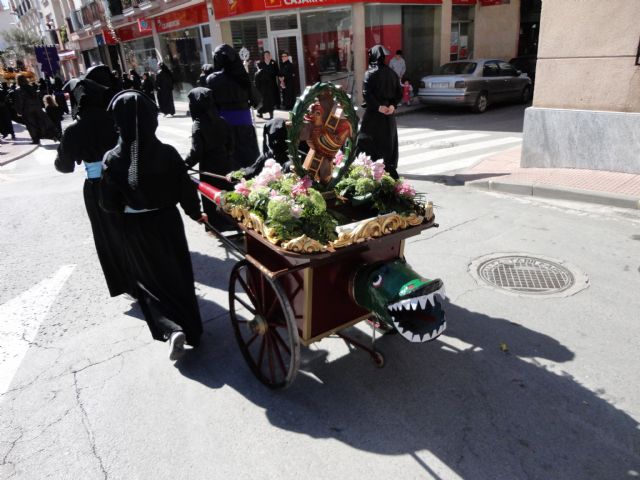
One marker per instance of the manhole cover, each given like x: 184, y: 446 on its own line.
x: 529, y: 275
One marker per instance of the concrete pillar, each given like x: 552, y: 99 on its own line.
x: 359, y: 49
x: 445, y: 31
x: 225, y: 32
x: 156, y: 41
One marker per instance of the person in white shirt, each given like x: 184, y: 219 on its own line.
x: 398, y: 65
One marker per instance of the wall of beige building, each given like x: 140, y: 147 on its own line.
x: 496, y: 31
x: 586, y: 55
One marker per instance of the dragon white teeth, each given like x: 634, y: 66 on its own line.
x: 423, y: 302
x: 414, y: 304
x: 406, y: 304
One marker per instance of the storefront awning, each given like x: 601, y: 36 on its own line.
x: 231, y: 8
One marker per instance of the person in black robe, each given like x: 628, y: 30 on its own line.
x: 86, y: 140
x: 144, y: 179
x: 265, y: 80
x: 148, y: 87
x: 288, y: 81
x: 164, y: 85
x: 211, y: 144
x: 231, y: 87
x: 274, y: 145
x: 6, y: 125
x: 378, y: 135
x: 59, y: 95
x: 207, y: 69
x: 28, y: 105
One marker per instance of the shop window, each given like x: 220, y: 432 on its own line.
x: 326, y: 41
x: 414, y: 29
x: 141, y: 55
x: 284, y: 22
x: 251, y: 34
x: 461, y: 33
x: 206, y: 31
x: 182, y: 54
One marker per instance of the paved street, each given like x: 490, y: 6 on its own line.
x: 519, y: 387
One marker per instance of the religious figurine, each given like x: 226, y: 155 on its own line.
x: 325, y: 130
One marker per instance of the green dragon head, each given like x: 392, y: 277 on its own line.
x: 401, y: 298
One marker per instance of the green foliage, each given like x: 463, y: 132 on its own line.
x: 21, y: 41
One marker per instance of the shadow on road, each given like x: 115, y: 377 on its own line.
x: 482, y: 412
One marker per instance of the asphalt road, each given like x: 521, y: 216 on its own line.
x: 518, y: 387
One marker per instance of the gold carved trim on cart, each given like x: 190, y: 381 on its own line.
x: 307, y: 309
x: 356, y: 232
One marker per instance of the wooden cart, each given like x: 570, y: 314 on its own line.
x: 279, y: 300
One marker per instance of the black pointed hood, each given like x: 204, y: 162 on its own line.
x: 201, y: 103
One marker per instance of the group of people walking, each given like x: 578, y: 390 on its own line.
x: 39, y: 107
x: 162, y: 86
x: 134, y: 181
x: 277, y: 85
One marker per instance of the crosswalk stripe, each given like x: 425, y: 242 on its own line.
x: 457, y: 138
x: 424, y: 157
x: 429, y: 134
x: 448, y: 166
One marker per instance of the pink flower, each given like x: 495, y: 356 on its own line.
x: 363, y: 160
x: 242, y: 188
x: 300, y: 188
x: 405, y: 189
x: 339, y: 158
x: 377, y: 170
x: 296, y: 210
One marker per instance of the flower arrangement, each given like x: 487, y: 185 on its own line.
x: 286, y: 203
x: 367, y: 183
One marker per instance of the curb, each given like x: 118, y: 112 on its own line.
x: 19, y: 156
x: 559, y: 193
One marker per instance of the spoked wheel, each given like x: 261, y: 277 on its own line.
x: 264, y: 325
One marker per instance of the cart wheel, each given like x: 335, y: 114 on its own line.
x: 264, y: 325
x: 378, y: 359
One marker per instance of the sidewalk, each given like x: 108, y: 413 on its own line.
x: 12, y: 150
x: 502, y: 173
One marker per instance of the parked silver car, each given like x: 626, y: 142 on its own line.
x: 475, y: 84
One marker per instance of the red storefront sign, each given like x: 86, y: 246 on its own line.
x: 131, y: 32
x: 464, y: 2
x: 108, y: 37
x: 182, y: 18
x: 489, y: 3
x: 230, y: 8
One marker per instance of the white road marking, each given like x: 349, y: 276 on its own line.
x: 425, y: 134
x: 445, y: 152
x: 456, y: 138
x: 20, y: 320
x: 449, y: 166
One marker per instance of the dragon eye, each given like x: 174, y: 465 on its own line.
x: 377, y: 283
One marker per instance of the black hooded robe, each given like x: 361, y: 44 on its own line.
x: 6, y: 126
x: 231, y: 89
x: 265, y: 80
x: 164, y: 86
x: 211, y: 143
x: 378, y: 135
x: 28, y: 104
x: 87, y: 139
x: 145, y: 179
x: 289, y: 72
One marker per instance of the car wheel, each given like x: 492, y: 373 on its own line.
x: 482, y: 102
x: 526, y: 95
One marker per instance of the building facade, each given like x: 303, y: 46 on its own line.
x: 586, y: 105
x: 327, y: 39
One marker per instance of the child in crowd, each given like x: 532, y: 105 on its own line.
x: 54, y: 112
x: 407, y: 92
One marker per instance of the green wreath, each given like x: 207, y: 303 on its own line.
x: 297, y: 120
